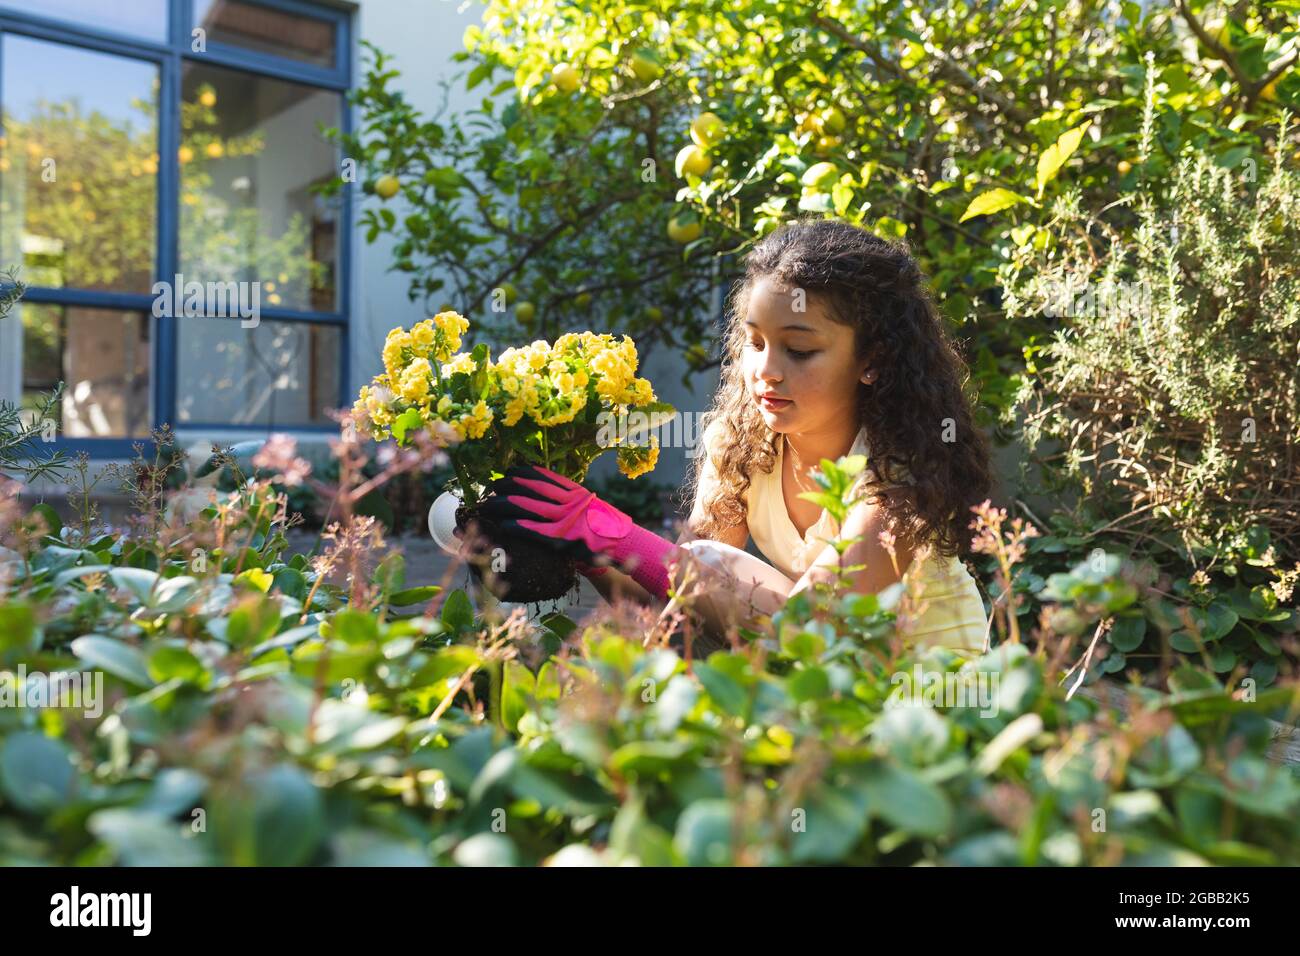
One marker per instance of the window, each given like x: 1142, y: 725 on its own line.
x: 249, y: 154
x: 152, y: 147
x: 146, y: 19
x: 280, y: 373
x: 102, y: 355
x: 269, y: 31
x: 80, y: 166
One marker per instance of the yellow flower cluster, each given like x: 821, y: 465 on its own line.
x: 435, y: 339
x: 414, y: 382
x: 634, y: 460
x: 374, y: 403
x: 474, y: 423
x: 467, y: 420
x: 616, y: 363
x: 462, y: 362
x: 547, y: 382
x: 538, y: 385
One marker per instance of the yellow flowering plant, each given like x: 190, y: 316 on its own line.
x: 559, y: 405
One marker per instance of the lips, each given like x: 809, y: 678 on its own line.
x: 773, y: 402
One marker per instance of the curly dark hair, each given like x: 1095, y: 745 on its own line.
x: 916, y: 414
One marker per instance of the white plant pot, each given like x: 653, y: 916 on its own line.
x: 442, y: 522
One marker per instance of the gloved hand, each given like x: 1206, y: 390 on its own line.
x: 577, y: 523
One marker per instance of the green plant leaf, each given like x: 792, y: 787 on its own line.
x: 724, y: 691
x: 904, y: 799
x: 704, y: 833
x: 1056, y: 155
x: 409, y: 419
x: 1127, y: 632
x: 416, y: 595
x: 457, y: 612
x: 113, y: 657
x: 36, y: 772
x: 146, y: 839
x: 995, y: 200
x: 352, y: 627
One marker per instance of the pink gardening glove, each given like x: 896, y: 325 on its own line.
x: 573, y: 520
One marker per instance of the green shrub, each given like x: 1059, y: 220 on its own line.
x: 1172, y: 393
x: 267, y: 710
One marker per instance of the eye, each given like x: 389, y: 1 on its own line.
x: 800, y: 356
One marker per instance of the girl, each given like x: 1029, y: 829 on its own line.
x: 832, y: 347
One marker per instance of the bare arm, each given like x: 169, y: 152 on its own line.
x: 865, y: 521
x: 722, y: 594
x: 726, y: 603
x: 718, y: 586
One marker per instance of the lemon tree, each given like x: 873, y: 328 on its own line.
x: 610, y: 129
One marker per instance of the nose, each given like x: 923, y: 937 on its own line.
x: 768, y: 369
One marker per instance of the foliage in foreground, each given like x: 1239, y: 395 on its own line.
x: 268, y: 711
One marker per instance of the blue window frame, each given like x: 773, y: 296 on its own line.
x: 246, y: 63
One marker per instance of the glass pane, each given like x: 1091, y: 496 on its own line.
x: 250, y: 151
x: 78, y: 166
x: 267, y: 31
x: 138, y: 18
x: 102, y: 356
x: 277, y: 373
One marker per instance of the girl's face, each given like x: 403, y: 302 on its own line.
x: 803, y: 357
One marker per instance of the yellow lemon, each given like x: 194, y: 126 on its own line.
x: 386, y: 187
x: 1124, y: 167
x: 208, y: 98
x: 683, y: 230
x: 1221, y: 30
x: 707, y: 129
x: 808, y: 123
x: 693, y: 160
x: 821, y: 176
x: 833, y: 120
x: 565, y: 78
x: 185, y: 154
x: 645, y: 65
x: 825, y: 144
x: 215, y: 150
